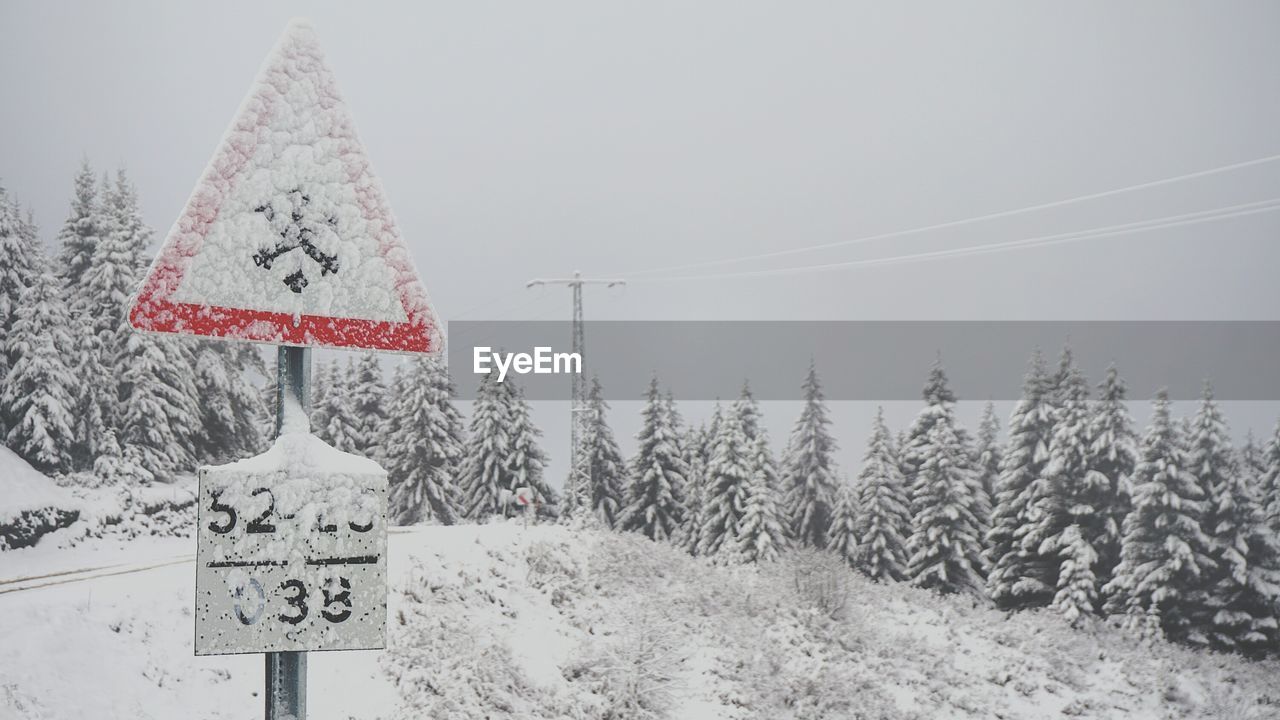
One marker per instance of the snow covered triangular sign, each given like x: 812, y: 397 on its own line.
x: 288, y: 237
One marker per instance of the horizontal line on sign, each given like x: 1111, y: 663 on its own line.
x: 246, y: 563
x: 359, y: 560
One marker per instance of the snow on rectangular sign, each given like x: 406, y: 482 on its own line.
x: 288, y: 237
x: 291, y: 552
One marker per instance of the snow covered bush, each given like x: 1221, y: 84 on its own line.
x: 445, y: 667
x: 31, y: 505
x: 454, y: 650
x: 802, y: 671
x: 158, y: 511
x: 126, y: 512
x: 821, y: 580
x: 553, y: 570
x: 636, y: 670
x: 25, y: 528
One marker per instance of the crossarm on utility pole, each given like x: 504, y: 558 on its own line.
x: 575, y: 281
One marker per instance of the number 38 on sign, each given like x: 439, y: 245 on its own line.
x: 291, y: 552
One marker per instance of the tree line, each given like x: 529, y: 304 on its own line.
x: 1173, y: 533
x: 1176, y: 533
x: 82, y: 392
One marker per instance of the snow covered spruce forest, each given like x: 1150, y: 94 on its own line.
x: 1107, y: 536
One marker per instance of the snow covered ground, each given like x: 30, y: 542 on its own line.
x: 556, y: 622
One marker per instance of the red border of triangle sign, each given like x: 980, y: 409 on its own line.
x: 294, y: 89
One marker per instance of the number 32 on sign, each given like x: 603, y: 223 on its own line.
x: 291, y: 555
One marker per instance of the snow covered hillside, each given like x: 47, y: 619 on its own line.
x: 552, y: 622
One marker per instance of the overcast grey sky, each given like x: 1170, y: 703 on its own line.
x: 529, y: 139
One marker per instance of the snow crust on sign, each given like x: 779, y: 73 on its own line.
x: 24, y: 489
x: 304, y: 453
x: 292, y: 549
x: 289, y: 222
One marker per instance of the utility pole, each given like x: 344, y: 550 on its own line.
x: 578, y: 405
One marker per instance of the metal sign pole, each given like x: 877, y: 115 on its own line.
x: 286, y: 685
x: 286, y: 694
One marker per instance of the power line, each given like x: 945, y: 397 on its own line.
x: 476, y: 325
x: 1201, y: 216
x: 960, y: 223
x: 489, y: 305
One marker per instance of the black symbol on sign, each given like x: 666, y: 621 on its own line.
x: 298, y: 601
x: 298, y: 231
x: 342, y: 601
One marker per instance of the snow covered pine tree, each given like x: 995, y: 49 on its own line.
x: 1270, y: 483
x: 606, y: 472
x: 1164, y: 557
x: 158, y: 422
x: 525, y: 458
x: 695, y: 441
x: 727, y: 490
x: 1070, y: 504
x: 1025, y: 454
x: 79, y: 235
x: 38, y: 396
x: 653, y: 506
x: 1253, y: 461
x: 762, y: 534
x: 1113, y: 454
x: 986, y: 457
x: 698, y: 450
x: 842, y: 538
x: 884, y: 518
x: 809, y: 477
x: 425, y: 446
x: 334, y: 420
x: 1241, y: 593
x: 369, y: 408
x: 945, y: 547
x: 484, y: 466
x: 230, y: 406
x: 159, y: 417
x: 100, y: 273
x: 19, y: 260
